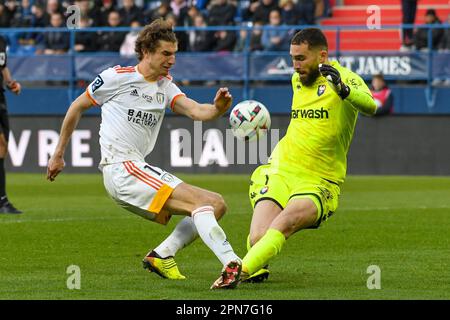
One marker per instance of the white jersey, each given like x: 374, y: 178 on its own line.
x: 132, y: 112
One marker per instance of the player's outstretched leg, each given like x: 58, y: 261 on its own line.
x: 214, y: 237
x: 164, y: 267
x: 230, y: 276
x: 265, y: 249
x: 259, y: 276
x: 204, y: 208
x: 298, y: 214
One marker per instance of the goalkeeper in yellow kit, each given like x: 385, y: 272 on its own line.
x: 300, y: 185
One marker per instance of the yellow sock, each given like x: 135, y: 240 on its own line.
x: 262, y: 251
x: 249, y: 246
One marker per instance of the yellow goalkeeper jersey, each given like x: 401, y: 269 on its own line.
x: 321, y: 127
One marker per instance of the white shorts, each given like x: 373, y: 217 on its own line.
x: 140, y: 188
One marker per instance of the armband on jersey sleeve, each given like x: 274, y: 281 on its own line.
x: 103, y: 87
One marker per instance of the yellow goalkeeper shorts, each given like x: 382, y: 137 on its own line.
x: 280, y: 187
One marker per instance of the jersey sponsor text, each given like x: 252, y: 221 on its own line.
x: 310, y: 113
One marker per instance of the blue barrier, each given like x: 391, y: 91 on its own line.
x: 55, y: 101
x: 244, y: 67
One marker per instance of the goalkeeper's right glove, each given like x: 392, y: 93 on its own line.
x: 334, y: 79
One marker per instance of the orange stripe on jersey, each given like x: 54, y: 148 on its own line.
x: 156, y: 184
x: 120, y: 69
x: 90, y: 97
x: 132, y: 173
x: 146, y: 175
x: 138, y: 176
x: 173, y: 100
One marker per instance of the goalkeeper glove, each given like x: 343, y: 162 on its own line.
x: 334, y: 79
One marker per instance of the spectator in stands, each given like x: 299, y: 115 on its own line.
x: 8, y: 12
x: 24, y: 19
x: 52, y: 7
x: 290, y: 14
x: 242, y: 38
x: 57, y: 42
x: 85, y: 41
x: 127, y: 47
x: 4, y: 21
x: 111, y: 40
x: 39, y: 20
x: 4, y: 17
x: 23, y: 16
x: 90, y: 11
x: 275, y: 40
x: 221, y: 13
x: 107, y: 7
x: 443, y: 77
x: 159, y: 12
x: 382, y: 95
x: 192, y: 12
x: 200, y: 40
x: 40, y: 16
x: 307, y: 9
x: 421, y: 35
x: 182, y: 36
x: 225, y: 41
x: 322, y: 9
x: 327, y: 9
x: 444, y: 45
x: 263, y: 10
x: 179, y: 8
x: 130, y: 12
x: 409, y: 8
x: 255, y: 38
x: 249, y: 12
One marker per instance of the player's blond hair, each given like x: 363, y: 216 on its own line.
x: 150, y: 35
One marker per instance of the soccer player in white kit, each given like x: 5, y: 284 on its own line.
x: 133, y: 101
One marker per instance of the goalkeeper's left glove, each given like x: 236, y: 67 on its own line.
x: 334, y: 79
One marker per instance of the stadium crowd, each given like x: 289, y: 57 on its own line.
x: 126, y: 13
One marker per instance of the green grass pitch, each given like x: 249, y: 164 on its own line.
x: 400, y: 224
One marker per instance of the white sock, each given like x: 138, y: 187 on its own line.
x: 183, y: 234
x: 212, y: 234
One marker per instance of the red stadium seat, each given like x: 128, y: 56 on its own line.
x: 354, y: 13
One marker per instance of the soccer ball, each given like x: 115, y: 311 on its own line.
x: 249, y: 120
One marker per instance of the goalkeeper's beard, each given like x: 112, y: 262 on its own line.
x: 311, y: 77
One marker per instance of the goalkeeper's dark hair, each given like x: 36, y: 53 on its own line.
x: 313, y: 37
x: 150, y: 35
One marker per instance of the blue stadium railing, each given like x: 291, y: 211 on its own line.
x: 244, y: 66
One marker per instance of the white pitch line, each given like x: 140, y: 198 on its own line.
x: 62, y: 219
